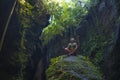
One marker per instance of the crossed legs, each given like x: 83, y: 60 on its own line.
x: 70, y: 51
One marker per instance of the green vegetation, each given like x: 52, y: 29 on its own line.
x: 19, y: 60
x: 79, y: 68
x: 64, y: 14
x: 25, y: 13
x: 21, y: 57
x: 95, y: 46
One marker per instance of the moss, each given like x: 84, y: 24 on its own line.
x: 23, y: 39
x: 19, y: 61
x: 25, y: 13
x: 95, y: 46
x: 22, y: 43
x: 80, y: 67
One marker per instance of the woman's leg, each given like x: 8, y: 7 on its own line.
x: 69, y: 51
x: 72, y: 51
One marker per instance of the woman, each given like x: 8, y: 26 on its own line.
x: 72, y: 47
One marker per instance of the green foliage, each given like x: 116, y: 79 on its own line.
x: 93, y: 2
x: 25, y: 7
x: 62, y: 69
x: 63, y: 14
x: 19, y: 60
x: 95, y: 47
x: 25, y: 13
x: 23, y: 39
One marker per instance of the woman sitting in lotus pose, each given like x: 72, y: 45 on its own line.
x: 72, y: 47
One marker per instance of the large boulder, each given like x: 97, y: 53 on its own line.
x: 73, y: 68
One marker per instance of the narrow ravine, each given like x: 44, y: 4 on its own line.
x: 32, y: 46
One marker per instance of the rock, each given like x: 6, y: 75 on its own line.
x: 22, y: 50
x: 72, y: 68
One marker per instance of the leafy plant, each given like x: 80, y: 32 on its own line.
x: 63, y: 14
x: 95, y: 47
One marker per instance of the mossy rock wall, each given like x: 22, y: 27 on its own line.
x: 22, y: 49
x: 99, y: 33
